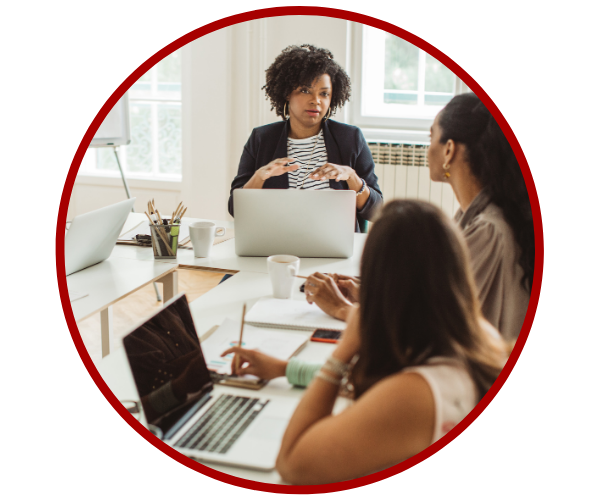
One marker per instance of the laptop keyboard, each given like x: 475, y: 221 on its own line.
x: 221, y: 426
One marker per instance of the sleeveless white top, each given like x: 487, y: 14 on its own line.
x: 454, y: 392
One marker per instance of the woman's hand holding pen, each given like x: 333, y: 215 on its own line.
x: 348, y: 285
x: 322, y: 290
x: 256, y: 363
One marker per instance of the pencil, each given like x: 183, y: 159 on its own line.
x: 237, y: 358
x: 302, y: 277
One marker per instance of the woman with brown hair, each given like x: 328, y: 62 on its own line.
x: 425, y: 354
x: 470, y: 152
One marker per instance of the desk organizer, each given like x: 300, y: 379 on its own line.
x: 165, y: 239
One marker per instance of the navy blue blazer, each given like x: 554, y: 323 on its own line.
x: 345, y: 145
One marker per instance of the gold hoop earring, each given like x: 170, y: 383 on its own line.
x: 446, y: 168
x: 328, y: 114
x: 285, y: 115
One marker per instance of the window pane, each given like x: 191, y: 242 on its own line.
x: 399, y: 98
x: 401, y: 64
x: 437, y: 99
x: 438, y: 78
x: 169, y: 76
x: 169, y: 138
x: 139, y: 151
x: 105, y: 159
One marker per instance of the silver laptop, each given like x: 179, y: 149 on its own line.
x: 304, y: 223
x: 176, y: 392
x: 92, y: 236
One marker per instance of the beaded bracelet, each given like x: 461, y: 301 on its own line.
x: 362, y: 189
x: 327, y: 378
x: 336, y: 366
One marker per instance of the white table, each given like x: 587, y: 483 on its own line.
x: 112, y: 280
x: 211, y: 309
x: 223, y: 257
x: 131, y: 267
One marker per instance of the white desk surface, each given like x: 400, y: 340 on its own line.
x: 131, y: 267
x: 211, y: 309
x: 224, y: 258
x: 111, y: 280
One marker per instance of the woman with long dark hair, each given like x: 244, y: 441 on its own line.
x: 307, y: 149
x: 470, y: 152
x: 425, y: 354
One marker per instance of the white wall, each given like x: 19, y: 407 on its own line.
x: 223, y: 73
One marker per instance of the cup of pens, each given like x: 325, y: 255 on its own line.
x: 165, y: 238
x: 164, y: 232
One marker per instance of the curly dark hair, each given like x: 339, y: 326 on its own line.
x: 465, y: 119
x: 300, y: 65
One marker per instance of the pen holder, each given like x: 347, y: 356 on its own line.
x: 165, y: 239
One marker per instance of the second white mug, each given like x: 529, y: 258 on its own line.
x: 202, y: 235
x: 282, y: 269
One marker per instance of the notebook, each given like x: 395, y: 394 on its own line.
x: 178, y: 397
x: 279, y: 343
x: 291, y: 314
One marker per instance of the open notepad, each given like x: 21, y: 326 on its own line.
x: 294, y: 314
x: 279, y: 343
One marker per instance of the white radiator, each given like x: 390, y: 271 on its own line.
x: 403, y: 172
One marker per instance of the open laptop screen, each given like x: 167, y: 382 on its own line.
x: 167, y: 363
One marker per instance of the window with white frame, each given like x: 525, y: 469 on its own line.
x: 155, y: 123
x: 401, y: 85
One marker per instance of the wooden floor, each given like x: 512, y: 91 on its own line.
x: 133, y: 309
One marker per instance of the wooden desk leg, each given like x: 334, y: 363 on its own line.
x: 169, y: 286
x: 106, y: 329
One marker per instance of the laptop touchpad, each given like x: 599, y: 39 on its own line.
x: 268, y: 428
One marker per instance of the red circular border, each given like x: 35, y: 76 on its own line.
x: 276, y: 12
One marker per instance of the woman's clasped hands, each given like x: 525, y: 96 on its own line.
x: 333, y: 293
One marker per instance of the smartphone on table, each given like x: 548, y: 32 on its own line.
x: 329, y: 336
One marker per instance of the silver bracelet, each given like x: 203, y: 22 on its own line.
x: 336, y: 366
x: 362, y: 189
x: 327, y: 378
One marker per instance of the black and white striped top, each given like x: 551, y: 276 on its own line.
x: 309, y: 159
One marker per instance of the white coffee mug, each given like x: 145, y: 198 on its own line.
x: 282, y: 269
x: 202, y: 235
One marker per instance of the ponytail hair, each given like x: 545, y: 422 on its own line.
x: 466, y: 120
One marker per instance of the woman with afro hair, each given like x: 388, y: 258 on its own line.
x: 307, y: 149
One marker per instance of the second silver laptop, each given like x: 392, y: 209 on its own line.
x: 304, y: 223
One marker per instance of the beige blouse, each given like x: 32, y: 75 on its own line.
x: 495, y: 261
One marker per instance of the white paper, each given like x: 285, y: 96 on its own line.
x: 143, y: 227
x: 77, y: 295
x: 275, y: 342
x: 292, y: 313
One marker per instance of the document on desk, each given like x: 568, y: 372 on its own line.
x: 76, y: 295
x: 294, y: 314
x: 275, y: 342
x: 142, y: 227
